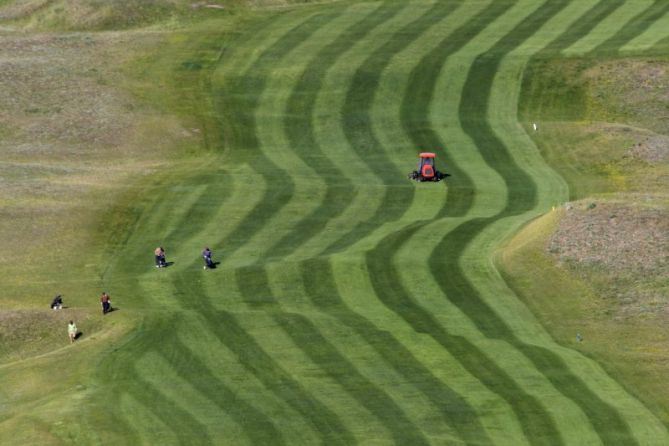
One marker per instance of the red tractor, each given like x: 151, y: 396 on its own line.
x: 426, y: 169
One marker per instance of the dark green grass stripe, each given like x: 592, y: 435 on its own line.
x: 238, y: 101
x: 254, y: 285
x: 357, y: 125
x: 580, y: 29
x: 536, y: 423
x: 320, y: 286
x: 256, y: 425
x: 227, y: 329
x: 634, y: 27
x: 300, y: 110
x: 415, y: 108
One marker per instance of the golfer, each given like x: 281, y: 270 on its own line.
x: 159, y: 253
x: 72, y: 331
x: 206, y: 255
x: 105, y: 300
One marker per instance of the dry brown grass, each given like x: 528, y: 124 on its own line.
x: 633, y: 90
x: 616, y: 236
x: 70, y: 141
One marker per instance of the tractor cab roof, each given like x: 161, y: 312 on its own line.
x: 426, y: 155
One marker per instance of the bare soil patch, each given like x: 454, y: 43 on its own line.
x: 617, y: 236
x: 653, y: 149
x: 621, y: 249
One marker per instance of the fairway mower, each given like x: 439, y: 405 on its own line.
x: 426, y: 169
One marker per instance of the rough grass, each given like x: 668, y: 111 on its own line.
x: 598, y: 266
x: 92, y: 15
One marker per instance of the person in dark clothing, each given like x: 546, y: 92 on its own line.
x: 206, y: 255
x: 57, y: 302
x: 106, y: 303
x: 159, y: 253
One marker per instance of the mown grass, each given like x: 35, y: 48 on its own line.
x: 349, y: 305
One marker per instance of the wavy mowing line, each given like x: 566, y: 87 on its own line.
x: 320, y: 287
x: 471, y: 29
x: 296, y: 126
x: 184, y: 427
x: 242, y: 94
x: 225, y: 326
x: 358, y: 129
x: 600, y: 11
x: 418, y: 96
x: 230, y: 333
x: 416, y: 313
x: 217, y: 186
x: 633, y: 28
x: 128, y: 381
x: 364, y: 205
x: 253, y: 282
x: 257, y: 426
x: 606, y: 28
x: 537, y: 425
x: 521, y: 197
x: 357, y: 126
x: 300, y: 110
x: 647, y: 42
x: 158, y: 372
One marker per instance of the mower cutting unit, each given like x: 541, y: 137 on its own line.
x: 426, y: 169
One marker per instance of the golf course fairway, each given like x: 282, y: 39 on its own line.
x: 349, y: 304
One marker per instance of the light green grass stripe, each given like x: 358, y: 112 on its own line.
x: 608, y: 27
x: 645, y: 41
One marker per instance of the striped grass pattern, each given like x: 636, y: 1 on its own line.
x: 351, y: 305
